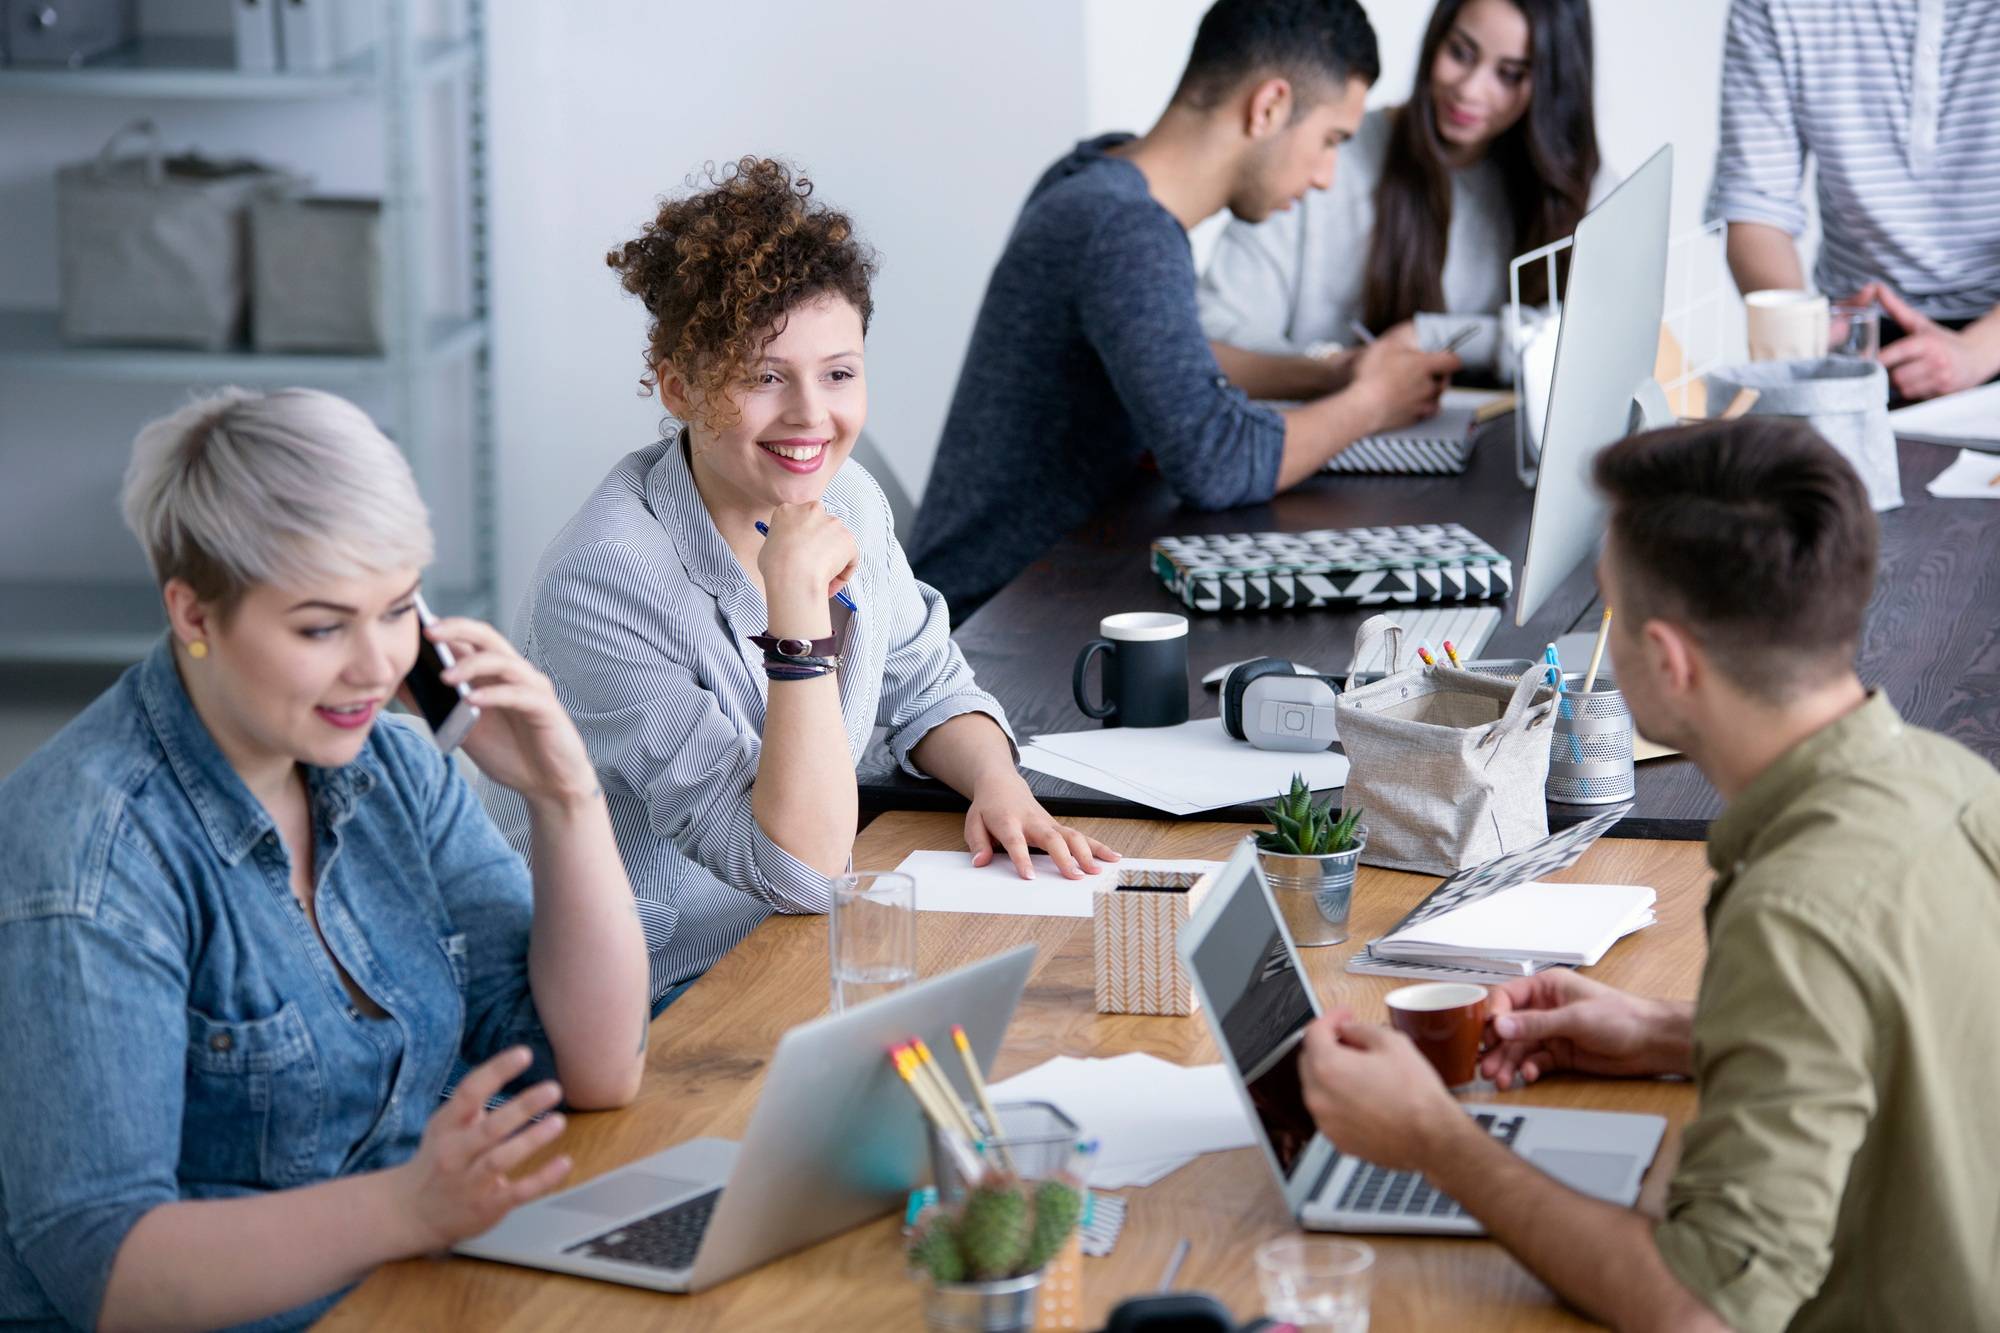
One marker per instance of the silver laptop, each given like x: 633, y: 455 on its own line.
x: 1258, y: 1003
x: 836, y: 1140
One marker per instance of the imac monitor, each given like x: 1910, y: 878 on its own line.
x: 1603, y: 387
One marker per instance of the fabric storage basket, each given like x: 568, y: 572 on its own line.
x: 316, y: 275
x: 1450, y: 765
x: 152, y: 247
x: 1844, y: 398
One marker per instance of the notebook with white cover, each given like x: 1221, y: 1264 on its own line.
x: 1569, y: 924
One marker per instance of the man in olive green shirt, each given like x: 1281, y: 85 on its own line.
x: 1843, y: 1168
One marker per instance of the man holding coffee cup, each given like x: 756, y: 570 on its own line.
x: 1849, y: 1009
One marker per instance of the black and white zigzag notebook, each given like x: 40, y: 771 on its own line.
x: 1441, y: 446
x: 1339, y: 567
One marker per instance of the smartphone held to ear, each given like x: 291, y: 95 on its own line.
x: 447, y: 708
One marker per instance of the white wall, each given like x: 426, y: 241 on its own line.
x: 926, y: 122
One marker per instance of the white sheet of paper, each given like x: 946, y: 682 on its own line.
x: 1195, y: 764
x: 948, y: 882
x: 1148, y: 1115
x: 1971, y: 476
x: 1038, y: 760
x: 1973, y: 414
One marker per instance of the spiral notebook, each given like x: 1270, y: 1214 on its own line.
x: 1441, y: 446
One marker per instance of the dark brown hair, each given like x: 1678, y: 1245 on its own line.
x: 1312, y: 44
x: 1546, y: 160
x: 718, y: 270
x: 1753, y: 534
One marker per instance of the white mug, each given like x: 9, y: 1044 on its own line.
x: 1786, y: 325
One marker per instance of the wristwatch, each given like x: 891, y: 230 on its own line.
x: 797, y: 647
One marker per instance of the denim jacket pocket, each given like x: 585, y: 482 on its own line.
x: 454, y: 949
x: 254, y: 1097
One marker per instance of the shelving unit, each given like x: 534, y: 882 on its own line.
x: 104, y: 621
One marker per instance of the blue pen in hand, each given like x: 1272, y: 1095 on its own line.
x: 765, y: 529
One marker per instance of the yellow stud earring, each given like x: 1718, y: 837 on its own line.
x: 197, y: 650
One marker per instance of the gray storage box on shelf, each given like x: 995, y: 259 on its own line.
x: 316, y: 275
x: 1844, y: 398
x: 153, y: 248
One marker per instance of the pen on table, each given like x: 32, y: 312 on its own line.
x: 1174, y: 1265
x: 841, y: 596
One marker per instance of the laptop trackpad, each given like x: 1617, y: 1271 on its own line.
x: 624, y: 1193
x: 1602, y: 1174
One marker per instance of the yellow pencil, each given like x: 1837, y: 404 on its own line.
x: 979, y: 1089
x: 963, y: 1157
x: 950, y: 1094
x: 1597, y: 651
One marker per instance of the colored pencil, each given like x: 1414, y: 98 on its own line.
x: 972, y: 1075
x: 1597, y: 651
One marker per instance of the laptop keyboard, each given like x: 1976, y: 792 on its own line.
x: 1374, y: 1189
x: 667, y: 1239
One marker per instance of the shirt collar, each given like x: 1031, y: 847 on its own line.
x: 233, y: 818
x: 1851, y: 743
x: 671, y: 495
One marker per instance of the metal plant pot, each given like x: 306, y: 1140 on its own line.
x: 1314, y: 893
x: 1003, y: 1306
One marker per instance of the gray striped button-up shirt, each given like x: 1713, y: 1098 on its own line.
x: 1898, y: 103
x: 641, y: 616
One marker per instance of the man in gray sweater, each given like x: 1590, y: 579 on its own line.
x: 1088, y: 356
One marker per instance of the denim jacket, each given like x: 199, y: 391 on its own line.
x: 170, y: 1025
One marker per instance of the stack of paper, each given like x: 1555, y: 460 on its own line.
x: 1567, y: 924
x: 1971, y: 417
x: 1972, y: 476
x: 949, y: 882
x: 1150, y: 1117
x: 1182, y: 770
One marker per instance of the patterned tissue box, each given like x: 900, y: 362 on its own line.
x: 1135, y: 920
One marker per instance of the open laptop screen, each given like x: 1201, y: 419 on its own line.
x: 1262, y: 1007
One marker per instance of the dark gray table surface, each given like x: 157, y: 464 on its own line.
x: 1932, y: 639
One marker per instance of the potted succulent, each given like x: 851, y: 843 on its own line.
x: 985, y: 1257
x: 1309, y: 855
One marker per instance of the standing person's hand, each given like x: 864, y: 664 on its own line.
x: 1930, y: 360
x: 808, y: 556
x: 1401, y: 382
x: 1559, y: 1020
x: 524, y: 738
x: 458, y: 1184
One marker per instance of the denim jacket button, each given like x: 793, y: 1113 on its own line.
x: 221, y: 1041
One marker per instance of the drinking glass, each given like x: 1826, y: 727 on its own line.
x: 1320, y: 1286
x: 872, y: 936
x: 1854, y: 330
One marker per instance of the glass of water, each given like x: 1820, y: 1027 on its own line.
x: 872, y: 940
x: 1854, y: 330
x: 1321, y: 1286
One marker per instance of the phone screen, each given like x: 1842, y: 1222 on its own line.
x: 435, y: 699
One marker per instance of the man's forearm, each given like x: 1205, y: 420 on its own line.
x: 1317, y: 431
x: 1597, y: 1256
x: 1762, y: 257
x: 1287, y: 378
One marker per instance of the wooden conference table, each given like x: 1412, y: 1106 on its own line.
x: 707, y: 1066
x: 1929, y: 640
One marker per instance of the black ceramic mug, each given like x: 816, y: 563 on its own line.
x: 1145, y: 670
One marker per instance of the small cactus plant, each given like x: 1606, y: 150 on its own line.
x: 1004, y: 1228
x: 1301, y: 826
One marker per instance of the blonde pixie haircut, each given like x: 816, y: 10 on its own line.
x: 287, y: 488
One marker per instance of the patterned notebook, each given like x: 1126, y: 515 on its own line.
x: 1338, y: 567
x: 1396, y: 456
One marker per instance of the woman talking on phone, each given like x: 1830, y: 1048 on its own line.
x: 729, y: 616
x: 249, y: 926
x: 1494, y: 154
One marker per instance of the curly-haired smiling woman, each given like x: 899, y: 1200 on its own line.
x: 724, y: 692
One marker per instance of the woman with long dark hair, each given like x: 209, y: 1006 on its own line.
x: 1494, y: 154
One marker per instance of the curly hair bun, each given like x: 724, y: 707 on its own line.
x: 717, y: 271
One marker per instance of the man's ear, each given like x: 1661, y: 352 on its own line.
x: 1673, y: 658
x: 1269, y: 108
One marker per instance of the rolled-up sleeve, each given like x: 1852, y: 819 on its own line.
x: 93, y: 1050
x: 1136, y: 305
x: 1783, y: 1046
x: 1760, y: 156
x: 622, y: 660
x: 1249, y: 292
x: 925, y: 677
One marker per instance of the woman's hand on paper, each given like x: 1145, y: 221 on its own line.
x: 1006, y: 816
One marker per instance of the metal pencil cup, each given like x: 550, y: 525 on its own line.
x: 1036, y: 1136
x: 1590, y: 759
